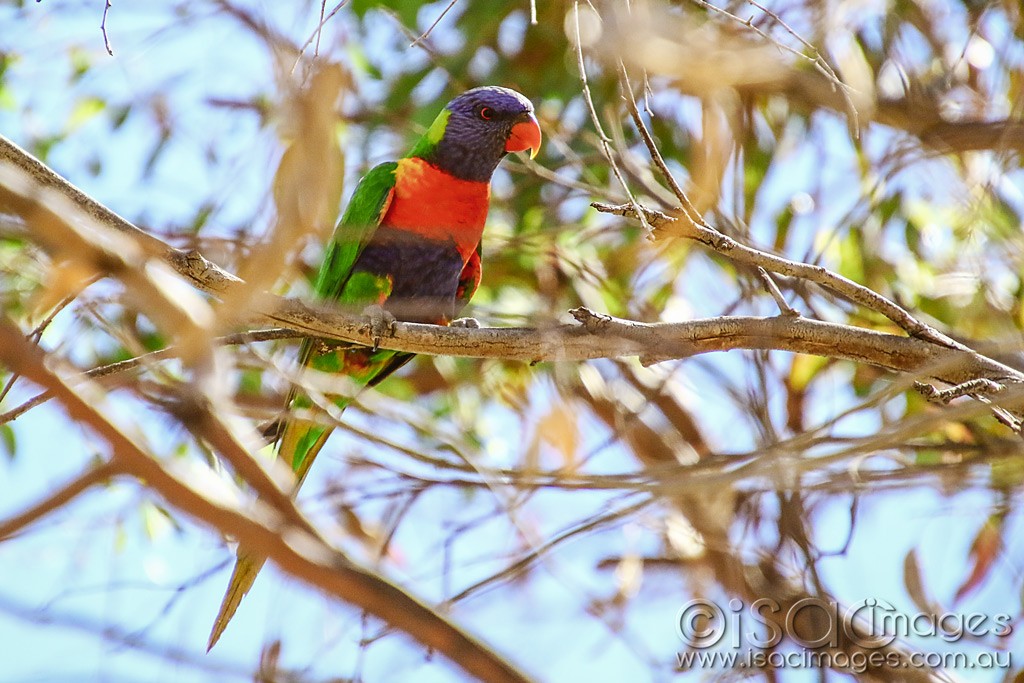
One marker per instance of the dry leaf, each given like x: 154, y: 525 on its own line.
x: 629, y: 575
x: 559, y: 430
x: 984, y: 550
x: 915, y: 586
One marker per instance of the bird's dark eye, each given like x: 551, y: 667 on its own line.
x: 486, y: 113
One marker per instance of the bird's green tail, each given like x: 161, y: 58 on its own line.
x: 299, y: 444
x: 247, y: 566
x: 299, y: 436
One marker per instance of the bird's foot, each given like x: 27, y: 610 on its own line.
x: 379, y: 323
x: 467, y: 323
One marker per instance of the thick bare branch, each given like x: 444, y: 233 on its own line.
x: 600, y: 337
x: 213, y: 280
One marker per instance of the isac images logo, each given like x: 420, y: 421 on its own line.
x: 809, y: 632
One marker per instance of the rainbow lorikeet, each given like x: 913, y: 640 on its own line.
x: 407, y: 246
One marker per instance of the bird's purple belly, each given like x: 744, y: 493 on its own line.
x: 424, y: 274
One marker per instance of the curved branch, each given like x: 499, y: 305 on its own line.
x: 295, y: 550
x: 699, y: 231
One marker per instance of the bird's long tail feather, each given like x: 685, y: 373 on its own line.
x: 248, y: 564
x: 299, y: 444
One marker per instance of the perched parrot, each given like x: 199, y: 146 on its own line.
x: 407, y: 246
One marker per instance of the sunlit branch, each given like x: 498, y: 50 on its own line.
x: 294, y: 549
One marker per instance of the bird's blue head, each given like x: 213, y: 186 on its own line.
x: 477, y: 129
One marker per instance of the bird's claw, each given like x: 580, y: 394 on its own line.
x: 379, y: 323
x: 465, y: 323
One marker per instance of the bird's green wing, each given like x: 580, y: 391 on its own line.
x: 364, y: 213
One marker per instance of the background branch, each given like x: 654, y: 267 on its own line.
x: 292, y: 548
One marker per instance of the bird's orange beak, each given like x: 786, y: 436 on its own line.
x: 525, y: 135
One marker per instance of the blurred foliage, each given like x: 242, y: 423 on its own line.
x: 191, y: 157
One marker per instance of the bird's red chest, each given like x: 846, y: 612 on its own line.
x: 430, y: 203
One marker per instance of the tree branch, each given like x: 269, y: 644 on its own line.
x: 932, y: 354
x: 295, y: 550
x: 741, y: 253
x: 64, y: 495
x: 703, y: 61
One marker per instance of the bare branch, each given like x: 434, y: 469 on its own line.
x: 295, y: 550
x: 430, y: 29
x: 702, y: 60
x: 64, y: 495
x: 730, y: 248
x: 652, y: 342
x: 773, y: 289
x: 652, y: 148
x: 138, y: 361
x: 605, y: 141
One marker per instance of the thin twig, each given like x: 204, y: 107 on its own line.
x: 430, y: 29
x: 605, y: 141
x: 132, y: 363
x: 315, y: 35
x: 773, y: 289
x: 119, y: 638
x: 37, y: 334
x: 435, y: 59
x: 979, y: 389
x: 820, y: 63
x: 103, y: 28
x: 972, y: 387
x: 652, y: 148
x: 730, y: 248
x: 535, y: 554
x: 319, y: 28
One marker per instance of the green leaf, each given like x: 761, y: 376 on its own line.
x: 6, y: 61
x: 361, y: 64
x: 41, y: 146
x: 85, y: 110
x: 80, y: 63
x: 8, y: 440
x: 782, y: 224
x: 250, y: 382
x: 156, y: 522
x: 7, y: 100
x: 406, y: 10
x: 119, y: 114
x: 851, y: 257
x: 1007, y: 473
x: 804, y: 369
x: 201, y: 216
